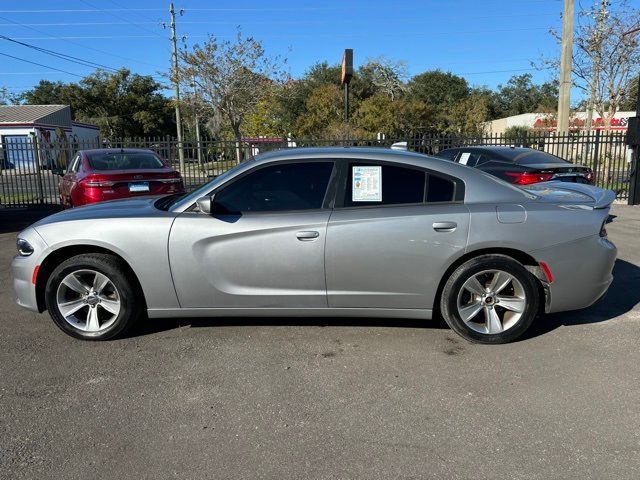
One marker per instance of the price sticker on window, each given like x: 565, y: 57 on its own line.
x: 464, y: 158
x: 367, y: 184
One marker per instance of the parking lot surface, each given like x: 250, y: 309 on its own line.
x: 325, y: 398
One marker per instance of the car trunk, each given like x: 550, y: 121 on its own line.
x: 562, y: 172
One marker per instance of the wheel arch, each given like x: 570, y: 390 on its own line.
x: 59, y: 255
x: 515, y: 254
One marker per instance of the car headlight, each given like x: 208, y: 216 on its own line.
x: 24, y: 248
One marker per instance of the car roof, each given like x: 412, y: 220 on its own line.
x: 117, y: 150
x: 504, y: 151
x: 339, y: 153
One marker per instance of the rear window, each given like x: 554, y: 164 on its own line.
x: 533, y: 157
x: 124, y: 161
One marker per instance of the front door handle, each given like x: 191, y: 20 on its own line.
x: 308, y: 235
x: 444, y: 226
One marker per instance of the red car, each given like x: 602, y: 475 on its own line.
x: 109, y: 174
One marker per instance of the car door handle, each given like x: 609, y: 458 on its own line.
x: 306, y: 236
x: 444, y: 226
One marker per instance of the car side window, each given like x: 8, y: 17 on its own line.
x: 369, y: 185
x: 440, y: 189
x: 281, y: 187
x: 74, y: 165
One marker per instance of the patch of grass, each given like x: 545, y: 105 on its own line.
x: 18, y: 198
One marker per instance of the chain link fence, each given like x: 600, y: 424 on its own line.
x: 30, y: 173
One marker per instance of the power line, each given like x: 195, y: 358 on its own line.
x: 50, y: 37
x: 40, y: 64
x: 308, y: 35
x: 120, y: 18
x: 63, y: 56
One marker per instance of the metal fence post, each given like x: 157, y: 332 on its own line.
x: 36, y: 150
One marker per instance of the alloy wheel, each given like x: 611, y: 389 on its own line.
x: 88, y: 300
x: 491, y: 301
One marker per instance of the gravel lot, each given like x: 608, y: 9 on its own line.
x: 325, y: 398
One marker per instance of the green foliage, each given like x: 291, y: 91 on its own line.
x: 516, y: 132
x: 468, y: 115
x: 438, y: 88
x: 122, y: 104
x: 232, y: 77
x: 324, y: 109
x: 520, y: 95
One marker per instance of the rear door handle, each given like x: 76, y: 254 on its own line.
x: 444, y: 226
x: 308, y: 235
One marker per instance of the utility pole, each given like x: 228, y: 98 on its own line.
x: 197, y: 120
x: 176, y: 83
x: 597, y: 60
x: 564, y: 99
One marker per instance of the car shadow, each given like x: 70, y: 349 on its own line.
x: 622, y: 296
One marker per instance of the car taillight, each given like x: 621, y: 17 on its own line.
x: 527, y: 178
x: 97, y: 181
x: 589, y: 176
x: 170, y: 180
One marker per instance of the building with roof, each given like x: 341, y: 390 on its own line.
x: 548, y: 122
x: 49, y: 127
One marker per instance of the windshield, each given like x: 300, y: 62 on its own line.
x: 167, y: 203
x: 124, y: 161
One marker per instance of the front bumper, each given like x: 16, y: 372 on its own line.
x: 582, y: 271
x: 23, y: 268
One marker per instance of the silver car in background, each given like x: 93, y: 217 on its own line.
x: 325, y: 232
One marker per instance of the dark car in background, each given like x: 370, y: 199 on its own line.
x: 111, y: 174
x: 520, y: 166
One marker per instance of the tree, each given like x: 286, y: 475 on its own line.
x: 267, y: 118
x: 377, y: 114
x: 599, y: 41
x: 520, y: 95
x: 232, y: 77
x: 324, y: 109
x: 55, y: 93
x: 438, y: 88
x: 381, y: 75
x: 122, y: 104
x: 630, y: 95
x: 467, y: 116
x: 4, y: 96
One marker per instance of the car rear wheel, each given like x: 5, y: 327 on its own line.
x: 91, y: 297
x: 490, y: 299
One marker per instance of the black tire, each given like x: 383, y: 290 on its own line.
x: 475, y: 266
x: 131, y: 300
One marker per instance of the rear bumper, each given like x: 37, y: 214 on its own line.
x: 582, y: 272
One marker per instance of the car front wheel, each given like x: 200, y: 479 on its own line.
x: 490, y: 299
x: 92, y: 297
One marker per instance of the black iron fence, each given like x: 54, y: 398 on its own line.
x: 29, y: 172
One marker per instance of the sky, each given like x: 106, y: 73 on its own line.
x: 485, y: 41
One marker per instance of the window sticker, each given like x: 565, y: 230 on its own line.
x: 367, y: 184
x: 464, y: 158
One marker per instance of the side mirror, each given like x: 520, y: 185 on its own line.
x: 58, y: 171
x: 204, y: 204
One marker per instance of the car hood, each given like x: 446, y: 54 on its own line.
x: 127, y: 208
x: 572, y: 193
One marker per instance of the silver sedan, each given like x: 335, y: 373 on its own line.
x: 325, y: 232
